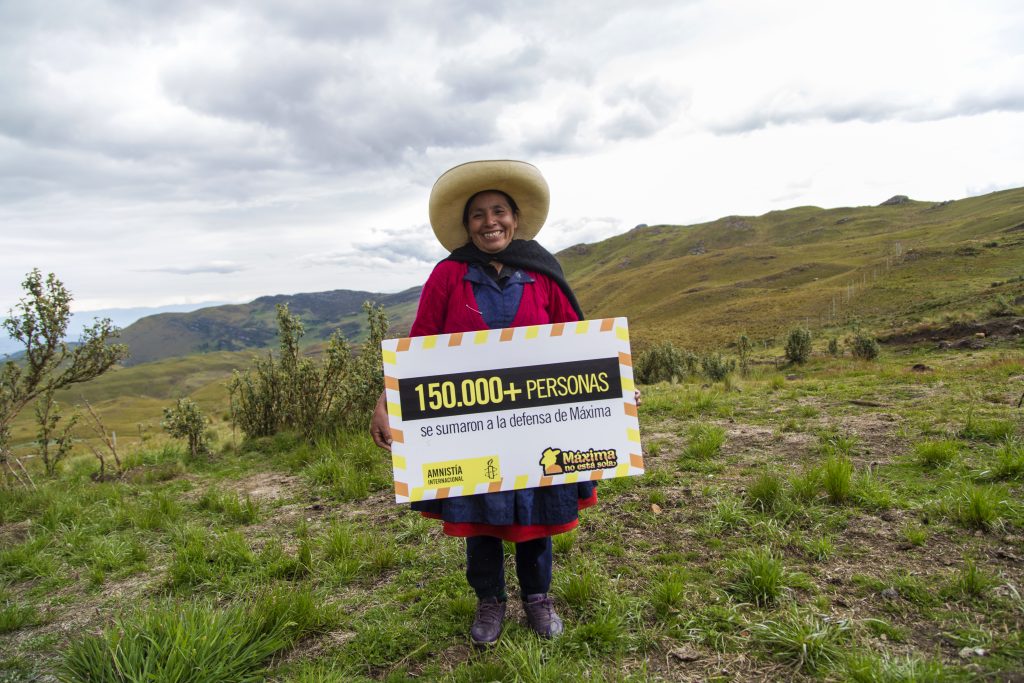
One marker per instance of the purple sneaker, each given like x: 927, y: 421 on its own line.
x: 540, y: 614
x: 490, y: 615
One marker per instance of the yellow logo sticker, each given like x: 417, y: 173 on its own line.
x: 556, y: 461
x: 468, y: 472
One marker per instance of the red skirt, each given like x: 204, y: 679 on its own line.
x: 516, y: 533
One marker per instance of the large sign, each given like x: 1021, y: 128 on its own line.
x: 515, y: 408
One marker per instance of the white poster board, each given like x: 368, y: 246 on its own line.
x: 514, y: 408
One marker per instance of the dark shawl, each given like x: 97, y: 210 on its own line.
x: 526, y: 254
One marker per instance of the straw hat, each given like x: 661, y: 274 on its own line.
x: 518, y: 179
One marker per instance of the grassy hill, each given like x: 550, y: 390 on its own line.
x: 703, y: 285
x: 253, y: 325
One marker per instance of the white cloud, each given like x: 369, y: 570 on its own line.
x: 147, y: 149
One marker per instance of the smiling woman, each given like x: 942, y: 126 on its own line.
x: 497, y: 277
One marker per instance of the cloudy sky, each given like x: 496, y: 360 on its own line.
x: 156, y: 153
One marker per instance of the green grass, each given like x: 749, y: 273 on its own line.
x: 757, y: 576
x: 704, y: 441
x: 631, y: 585
x: 195, y: 641
x: 14, y: 617
x: 971, y: 581
x: 975, y: 506
x: 932, y: 454
x: 836, y: 475
x: 766, y: 492
x: 1006, y: 462
x: 234, y: 508
x: 805, y: 640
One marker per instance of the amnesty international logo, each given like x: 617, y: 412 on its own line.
x: 557, y: 461
x: 466, y: 472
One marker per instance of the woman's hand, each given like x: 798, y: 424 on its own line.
x: 636, y: 396
x: 380, y: 428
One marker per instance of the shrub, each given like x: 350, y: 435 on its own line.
x: 743, y: 348
x: 798, y: 345
x: 833, y: 346
x: 292, y: 392
x: 1001, y: 307
x: 716, y: 368
x: 661, y: 363
x: 186, y: 421
x: 864, y: 347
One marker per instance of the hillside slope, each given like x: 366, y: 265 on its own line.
x: 253, y: 325
x: 703, y: 285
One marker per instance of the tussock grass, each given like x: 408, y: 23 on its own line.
x: 970, y: 581
x: 757, y: 576
x: 14, y: 616
x: 975, y: 506
x: 195, y: 642
x: 562, y: 544
x: 349, y: 471
x: 668, y: 592
x: 201, y: 558
x: 704, y: 441
x: 353, y: 553
x: 766, y: 492
x: 808, y: 641
x: 932, y: 454
x: 1007, y: 462
x: 729, y: 513
x: 865, y: 667
x: 232, y: 506
x: 27, y: 561
x: 806, y: 486
x: 915, y: 534
x: 836, y: 477
x: 870, y: 492
x: 581, y: 586
x: 992, y: 430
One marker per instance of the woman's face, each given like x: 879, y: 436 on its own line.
x: 490, y: 222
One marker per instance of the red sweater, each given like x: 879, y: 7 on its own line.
x: 447, y: 305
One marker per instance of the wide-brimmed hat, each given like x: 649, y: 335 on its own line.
x: 518, y: 179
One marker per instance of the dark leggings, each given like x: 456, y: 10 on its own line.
x: 485, y: 566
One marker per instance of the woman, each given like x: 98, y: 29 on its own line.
x: 486, y: 213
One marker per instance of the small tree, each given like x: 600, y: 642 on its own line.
x: 186, y: 421
x: 39, y: 323
x: 798, y: 345
x: 833, y: 346
x: 743, y: 349
x: 54, y: 440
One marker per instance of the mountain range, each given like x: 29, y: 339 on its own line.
x: 900, y: 262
